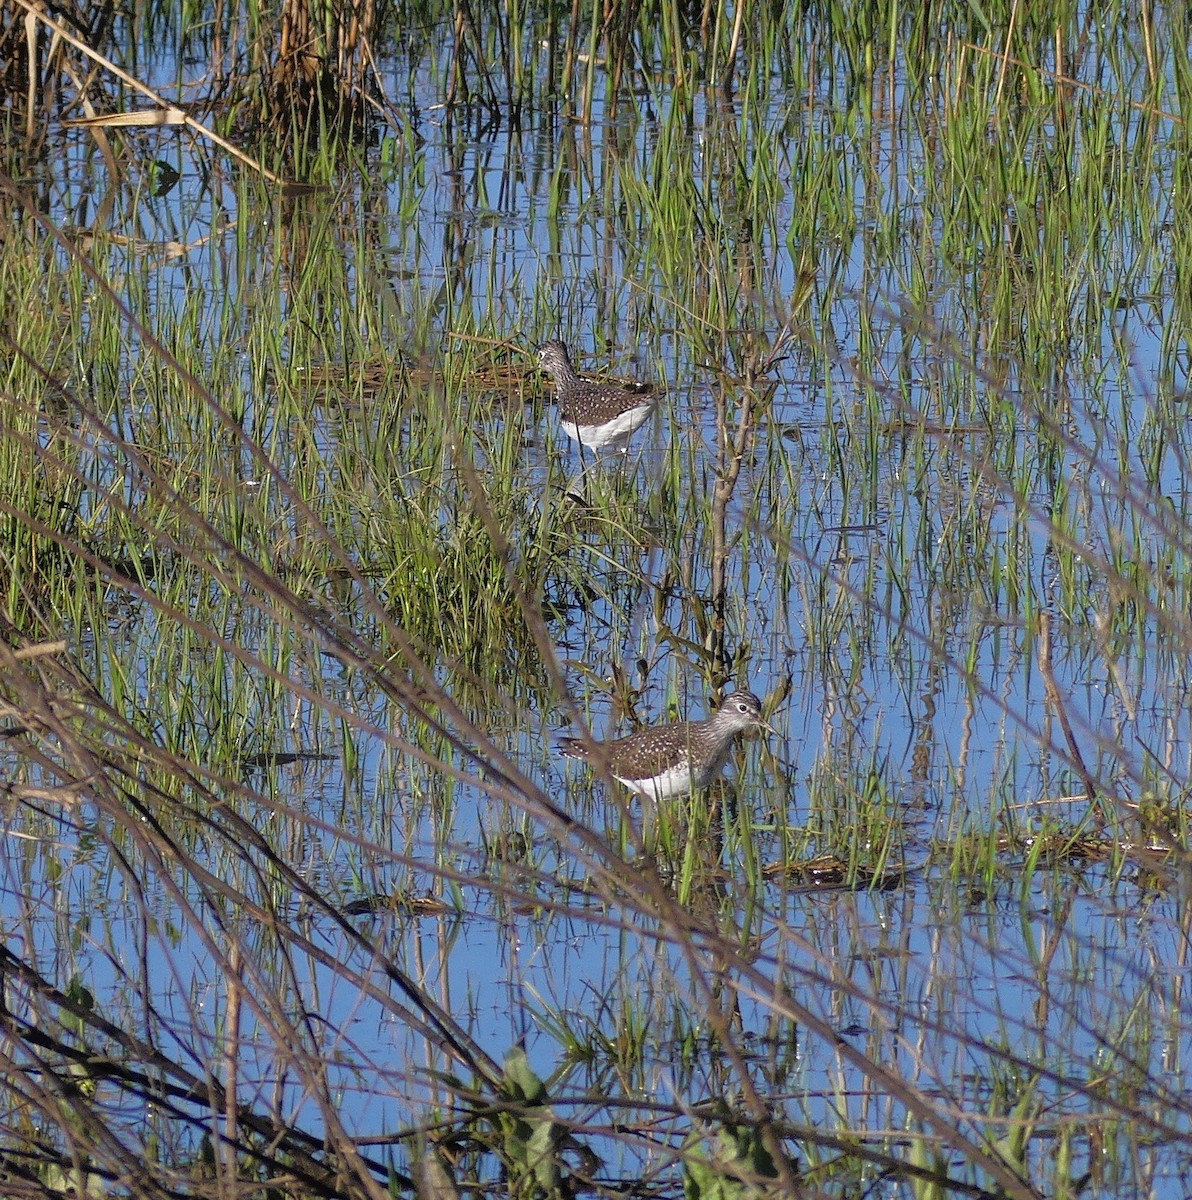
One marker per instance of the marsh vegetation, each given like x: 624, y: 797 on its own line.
x: 297, y: 594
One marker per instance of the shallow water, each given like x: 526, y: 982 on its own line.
x: 925, y: 479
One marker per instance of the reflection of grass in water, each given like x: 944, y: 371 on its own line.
x: 891, y: 543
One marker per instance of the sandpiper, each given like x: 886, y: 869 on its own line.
x: 662, y: 761
x: 594, y: 414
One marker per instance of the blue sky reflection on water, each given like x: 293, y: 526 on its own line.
x: 907, y: 668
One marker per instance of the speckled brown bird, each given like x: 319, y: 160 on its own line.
x: 594, y: 414
x: 661, y: 761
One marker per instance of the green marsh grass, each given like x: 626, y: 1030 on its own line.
x: 386, y: 570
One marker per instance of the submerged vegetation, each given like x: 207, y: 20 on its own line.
x: 301, y: 580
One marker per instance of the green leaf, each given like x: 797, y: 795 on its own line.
x: 520, y: 1081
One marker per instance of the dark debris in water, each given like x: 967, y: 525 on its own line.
x: 495, y: 368
x: 829, y: 873
x: 275, y: 758
x: 897, y: 426
x: 136, y: 569
x: 1061, y: 846
x: 401, y: 902
x: 513, y: 380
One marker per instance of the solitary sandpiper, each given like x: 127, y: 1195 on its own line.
x: 594, y: 414
x: 661, y: 761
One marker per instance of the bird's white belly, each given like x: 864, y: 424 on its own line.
x: 616, y: 430
x: 674, y: 781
